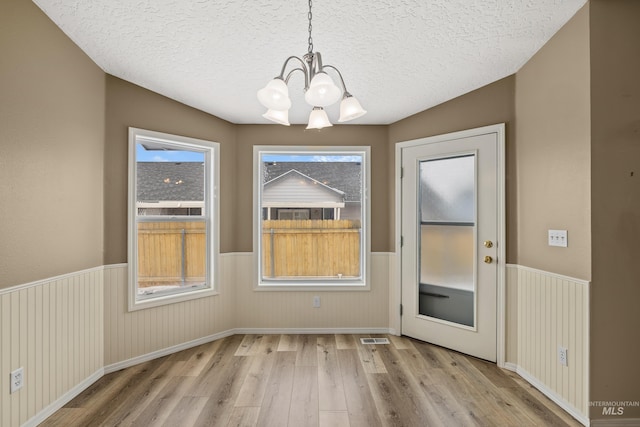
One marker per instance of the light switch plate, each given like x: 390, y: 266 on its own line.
x: 558, y: 238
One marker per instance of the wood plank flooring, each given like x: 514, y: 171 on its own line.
x: 312, y: 380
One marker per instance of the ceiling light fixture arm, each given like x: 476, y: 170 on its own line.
x: 303, y: 69
x: 345, y: 92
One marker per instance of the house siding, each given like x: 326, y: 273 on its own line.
x: 295, y: 190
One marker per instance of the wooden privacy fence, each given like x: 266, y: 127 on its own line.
x: 171, y: 252
x: 311, y: 248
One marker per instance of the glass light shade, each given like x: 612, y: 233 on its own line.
x: 275, y: 95
x: 318, y: 119
x: 350, y: 109
x: 278, y: 116
x: 322, y: 91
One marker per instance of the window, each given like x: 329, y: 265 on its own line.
x: 311, y: 217
x: 293, y: 213
x: 173, y: 220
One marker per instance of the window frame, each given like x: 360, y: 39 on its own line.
x: 360, y: 284
x: 211, y: 151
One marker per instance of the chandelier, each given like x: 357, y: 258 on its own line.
x: 320, y: 91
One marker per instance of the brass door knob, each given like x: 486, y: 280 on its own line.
x: 488, y: 259
x: 488, y: 244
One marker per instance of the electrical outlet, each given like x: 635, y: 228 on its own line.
x: 316, y: 302
x: 17, y: 379
x: 562, y: 356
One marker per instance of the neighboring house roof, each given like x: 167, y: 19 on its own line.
x: 343, y: 176
x: 184, y: 181
x: 293, y: 188
x: 166, y: 181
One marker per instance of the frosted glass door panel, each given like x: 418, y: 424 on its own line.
x: 447, y: 256
x: 447, y: 189
x: 447, y: 239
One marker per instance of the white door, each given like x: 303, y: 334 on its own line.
x: 450, y: 225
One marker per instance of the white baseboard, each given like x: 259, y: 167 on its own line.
x: 165, y: 351
x: 510, y: 366
x: 64, y: 399
x: 266, y: 331
x: 79, y: 388
x: 566, y: 406
x: 270, y: 331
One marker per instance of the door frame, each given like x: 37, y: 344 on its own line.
x: 501, y: 261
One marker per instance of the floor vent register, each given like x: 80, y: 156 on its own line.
x: 374, y: 340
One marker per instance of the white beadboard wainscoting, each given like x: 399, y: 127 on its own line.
x: 292, y: 311
x: 68, y: 331
x: 136, y: 336
x: 53, y: 329
x: 547, y: 311
x: 133, y: 337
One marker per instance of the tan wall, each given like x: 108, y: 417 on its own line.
x: 52, y: 99
x: 130, y: 105
x: 374, y: 136
x: 488, y: 105
x: 552, y: 161
x: 615, y: 192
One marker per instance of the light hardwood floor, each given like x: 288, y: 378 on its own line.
x: 312, y: 380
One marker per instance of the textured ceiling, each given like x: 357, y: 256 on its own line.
x: 398, y: 57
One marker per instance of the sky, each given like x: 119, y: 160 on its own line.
x: 308, y: 158
x: 143, y: 155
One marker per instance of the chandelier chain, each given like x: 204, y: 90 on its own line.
x: 309, y: 15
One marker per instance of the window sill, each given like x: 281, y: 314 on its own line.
x: 169, y: 299
x: 278, y: 286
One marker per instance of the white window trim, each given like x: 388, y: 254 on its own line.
x: 316, y: 285
x: 171, y: 204
x: 212, y: 179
